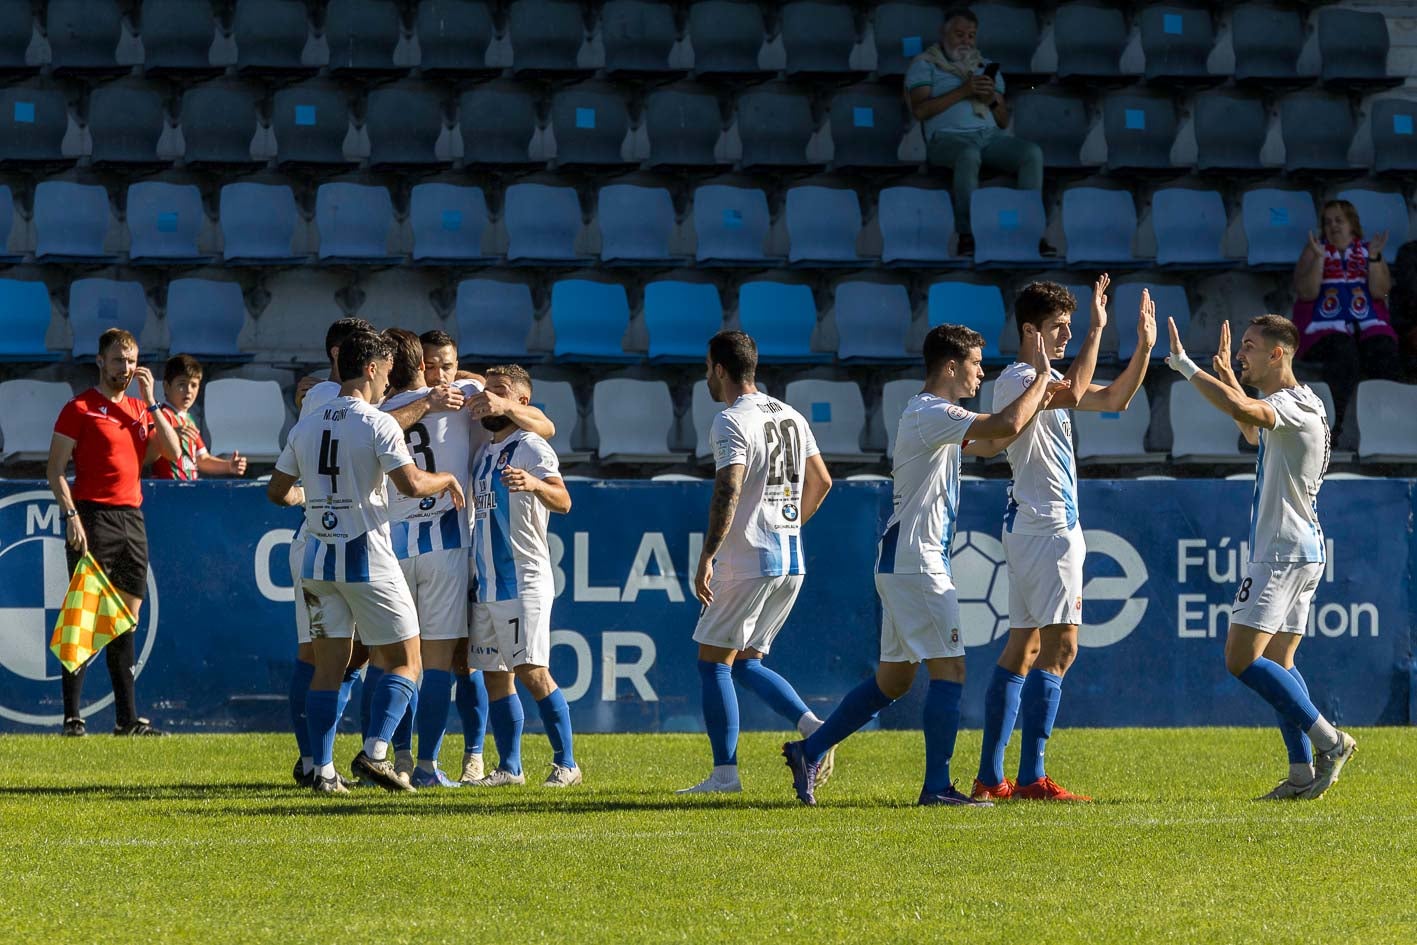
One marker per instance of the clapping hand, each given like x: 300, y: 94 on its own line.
x: 1099, y: 301
x: 1146, y: 321
x: 1376, y: 244
x: 1315, y: 244
x: 1221, y: 361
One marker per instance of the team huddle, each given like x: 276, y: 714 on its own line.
x: 391, y: 552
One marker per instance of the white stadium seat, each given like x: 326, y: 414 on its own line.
x: 557, y: 400
x: 704, y: 409
x: 1115, y: 437
x: 836, y: 414
x: 244, y: 416
x: 1199, y: 432
x: 1387, y: 422
x: 894, y: 396
x: 634, y: 419
x: 27, y: 417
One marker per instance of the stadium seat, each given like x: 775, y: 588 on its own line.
x: 1115, y: 437
x: 1199, y: 432
x: 244, y: 415
x: 70, y: 222
x: 683, y: 125
x: 448, y: 223
x: 83, y: 36
x: 1057, y: 121
x: 1230, y: 131
x: 1139, y: 129
x: 96, y: 305
x: 1008, y: 35
x: 1387, y: 422
x: 404, y: 121
x: 33, y: 122
x: 781, y: 318
x: 590, y: 122
x: 638, y: 36
x: 635, y: 225
x: 1381, y: 213
x: 681, y: 317
x: 497, y: 121
x: 1394, y: 131
x: 542, y: 224
x: 270, y: 37
x: 903, y: 31
x: 635, y: 420
x: 310, y: 122
x: 164, y: 222
x: 822, y: 226
x: 218, y: 122
x: 557, y: 400
x: 872, y: 322
x: 546, y: 36
x: 1100, y: 225
x: 817, y: 36
x: 727, y: 37
x: 775, y: 124
x: 354, y: 222
x: 291, y: 326
x: 1176, y: 41
x: 16, y: 28
x: 205, y: 318
x: 362, y: 36
x: 917, y: 225
x: 26, y: 309
x: 1189, y: 225
x: 867, y: 124
x: 403, y: 296
x: 125, y: 122
x: 1318, y: 129
x: 27, y: 422
x: 1171, y: 302
x: 1267, y: 40
x: 1277, y: 225
x: 258, y: 224
x: 731, y: 224
x: 1090, y: 40
x: 1353, y: 45
x: 177, y: 38
x: 590, y: 319
x: 1008, y: 225
x: 980, y: 307
x: 1081, y: 322
x: 7, y: 223
x: 837, y: 415
x: 894, y: 396
x: 703, y: 409
x: 494, y: 317
x: 453, y: 36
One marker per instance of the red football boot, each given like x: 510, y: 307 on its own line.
x: 1046, y: 789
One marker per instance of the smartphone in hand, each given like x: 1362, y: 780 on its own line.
x: 991, y: 71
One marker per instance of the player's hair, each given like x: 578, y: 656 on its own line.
x: 359, y: 349
x: 947, y: 343
x: 1277, y: 330
x: 959, y: 13
x: 1349, y: 211
x: 181, y: 365
x: 408, y: 358
x: 116, y: 336
x: 437, y: 338
x: 342, y: 329
x: 1039, y: 301
x: 737, y: 353
x: 518, y: 375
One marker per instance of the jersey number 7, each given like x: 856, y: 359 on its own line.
x: 329, y: 460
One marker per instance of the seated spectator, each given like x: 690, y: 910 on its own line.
x: 1341, y: 312
x: 180, y: 382
x: 959, y: 98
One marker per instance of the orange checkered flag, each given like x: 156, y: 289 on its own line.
x: 93, y: 615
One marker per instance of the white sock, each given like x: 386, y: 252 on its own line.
x: 324, y: 771
x: 725, y: 773
x: 1301, y: 773
x: 808, y: 724
x: 1323, y: 735
x: 428, y: 766
x: 403, y: 758
x: 376, y: 748
x: 307, y: 763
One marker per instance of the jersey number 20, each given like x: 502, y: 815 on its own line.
x: 784, y: 446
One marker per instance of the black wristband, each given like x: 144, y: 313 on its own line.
x: 1376, y: 257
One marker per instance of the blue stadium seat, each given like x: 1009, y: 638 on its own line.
x: 362, y: 36
x: 1230, y: 131
x: 83, y: 36
x: 70, y: 222
x: 1381, y: 212
x: 903, y: 31
x: 872, y: 322
x: 1057, y: 121
x: 453, y: 36
x: 125, y: 122
x: 1008, y: 35
x: 96, y: 305
x: 1090, y: 40
x: 448, y: 223
x: 546, y: 36
x: 590, y: 319
x: 1353, y: 46
x: 590, y: 122
x: 258, y: 224
x: 205, y: 318
x: 32, y: 126
x: 270, y: 37
x: 1008, y: 226
x: 497, y: 121
x: 1277, y: 225
x: 822, y: 226
x: 817, y: 36
x: 775, y: 124
x: 1170, y: 302
x: 164, y: 222
x: 780, y: 317
x: 1318, y: 129
x: 1394, y: 131
x: 16, y: 28
x: 980, y: 307
x: 1189, y: 225
x: 310, y: 122
x: 354, y: 222
x: 177, y: 38
x: 26, y: 308
x: 1140, y: 129
x: 681, y: 317
x: 916, y: 227
x: 867, y: 124
x: 218, y: 122
x: 494, y: 317
x: 7, y: 223
x: 727, y: 37
x: 403, y: 121
x: 683, y: 124
x: 635, y: 225
x: 1268, y: 40
x: 542, y: 224
x: 731, y: 224
x: 1176, y: 40
x: 1099, y: 226
x: 638, y: 36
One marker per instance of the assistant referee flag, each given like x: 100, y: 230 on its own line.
x: 93, y: 615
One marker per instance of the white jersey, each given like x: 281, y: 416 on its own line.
x: 772, y: 442
x: 1043, y: 493
x: 317, y: 396
x: 440, y: 442
x: 510, y: 550
x: 925, y: 487
x: 342, y: 453
x: 1293, y: 457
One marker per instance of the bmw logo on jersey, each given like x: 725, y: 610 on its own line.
x: 329, y: 520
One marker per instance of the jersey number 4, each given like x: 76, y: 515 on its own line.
x: 784, y: 446
x: 329, y: 460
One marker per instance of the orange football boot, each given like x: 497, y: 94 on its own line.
x: 1046, y: 789
x: 998, y: 792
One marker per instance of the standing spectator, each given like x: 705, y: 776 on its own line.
x: 959, y: 97
x: 1342, y: 283
x: 181, y: 380
x: 110, y: 435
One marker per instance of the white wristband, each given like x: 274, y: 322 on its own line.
x: 1182, y: 365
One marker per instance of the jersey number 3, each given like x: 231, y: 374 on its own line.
x: 329, y: 460
x: 784, y: 446
x: 421, y: 448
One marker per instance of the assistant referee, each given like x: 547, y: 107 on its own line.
x: 109, y: 436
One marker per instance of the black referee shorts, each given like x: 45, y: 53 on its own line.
x: 118, y: 540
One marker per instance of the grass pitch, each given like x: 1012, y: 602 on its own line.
x: 205, y: 839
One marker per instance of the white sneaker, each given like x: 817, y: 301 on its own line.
x: 715, y: 785
x: 562, y: 776
x: 472, y: 769
x: 1328, y: 764
x: 1286, y: 790
x: 828, y: 765
x: 499, y: 778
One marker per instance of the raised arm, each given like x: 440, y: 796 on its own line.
x: 1226, y: 375
x: 1379, y: 275
x: 1233, y: 403
x: 1085, y: 364
x: 1309, y: 272
x: 164, y: 442
x: 445, y: 397
x: 727, y: 487
x: 1117, y: 396
x: 1010, y: 421
x: 816, y: 483
x: 530, y: 418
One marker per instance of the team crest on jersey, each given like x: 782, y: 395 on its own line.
x: 329, y: 520
x: 1077, y: 604
x: 428, y: 502
x: 956, y: 412
x: 789, y: 512
x: 954, y: 636
x: 502, y: 461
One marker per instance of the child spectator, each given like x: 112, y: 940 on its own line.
x: 180, y: 382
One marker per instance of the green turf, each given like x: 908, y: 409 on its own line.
x: 204, y: 839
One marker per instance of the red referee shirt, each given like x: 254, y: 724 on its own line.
x: 110, y: 442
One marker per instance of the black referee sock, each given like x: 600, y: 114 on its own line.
x: 121, y: 659
x: 73, y: 684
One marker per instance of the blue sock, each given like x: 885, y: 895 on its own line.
x: 372, y: 675
x: 941, y: 725
x: 771, y: 688
x: 860, y: 706
x: 556, y: 719
x: 346, y: 690
x: 434, y: 697
x: 403, y: 732
x: 720, y: 711
x: 1038, y: 707
x: 320, y: 716
x: 507, y: 718
x: 1000, y: 713
x: 1301, y: 752
x: 472, y: 709
x: 299, y: 686
x: 1282, y: 691
x: 391, y: 700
